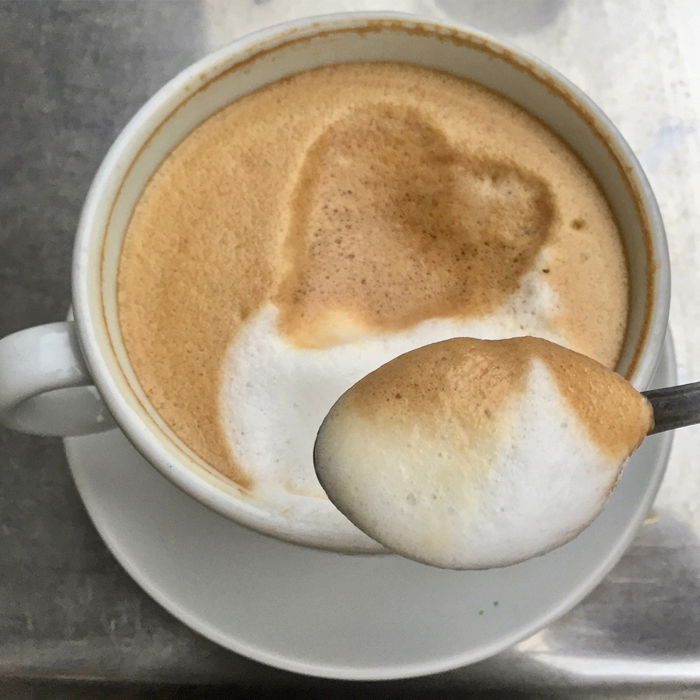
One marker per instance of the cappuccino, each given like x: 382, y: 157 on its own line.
x: 320, y: 226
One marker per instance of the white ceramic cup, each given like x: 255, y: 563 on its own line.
x: 74, y: 377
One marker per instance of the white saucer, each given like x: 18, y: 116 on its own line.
x: 332, y: 615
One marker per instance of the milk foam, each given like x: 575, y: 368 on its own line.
x: 484, y: 501
x: 274, y: 395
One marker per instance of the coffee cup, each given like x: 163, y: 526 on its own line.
x: 74, y: 377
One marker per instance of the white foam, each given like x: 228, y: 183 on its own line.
x: 504, y: 498
x: 275, y: 395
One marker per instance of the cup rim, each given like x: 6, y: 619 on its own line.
x: 140, y: 435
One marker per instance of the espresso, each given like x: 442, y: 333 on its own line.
x: 326, y: 223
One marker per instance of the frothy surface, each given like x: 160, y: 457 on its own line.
x: 338, y: 208
x: 276, y: 394
x: 384, y: 185
x: 471, y: 453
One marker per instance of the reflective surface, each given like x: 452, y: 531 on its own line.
x: 71, y: 74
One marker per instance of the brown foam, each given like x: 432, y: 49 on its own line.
x: 391, y: 224
x: 223, y: 227
x: 615, y: 414
x: 459, y: 387
x: 470, y: 381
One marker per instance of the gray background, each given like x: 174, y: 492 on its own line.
x: 72, y: 73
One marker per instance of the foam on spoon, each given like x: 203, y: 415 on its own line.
x: 474, y: 453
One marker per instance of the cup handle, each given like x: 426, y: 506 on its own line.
x: 45, y: 386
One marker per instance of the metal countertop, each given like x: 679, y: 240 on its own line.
x: 72, y: 72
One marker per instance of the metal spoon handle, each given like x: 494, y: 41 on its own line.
x: 674, y: 406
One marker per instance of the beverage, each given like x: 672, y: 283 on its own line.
x: 320, y: 226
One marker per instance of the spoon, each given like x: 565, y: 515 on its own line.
x: 473, y: 454
x: 674, y: 406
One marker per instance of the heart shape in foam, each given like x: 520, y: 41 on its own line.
x: 391, y: 224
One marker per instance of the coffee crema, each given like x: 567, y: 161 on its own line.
x: 316, y: 228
